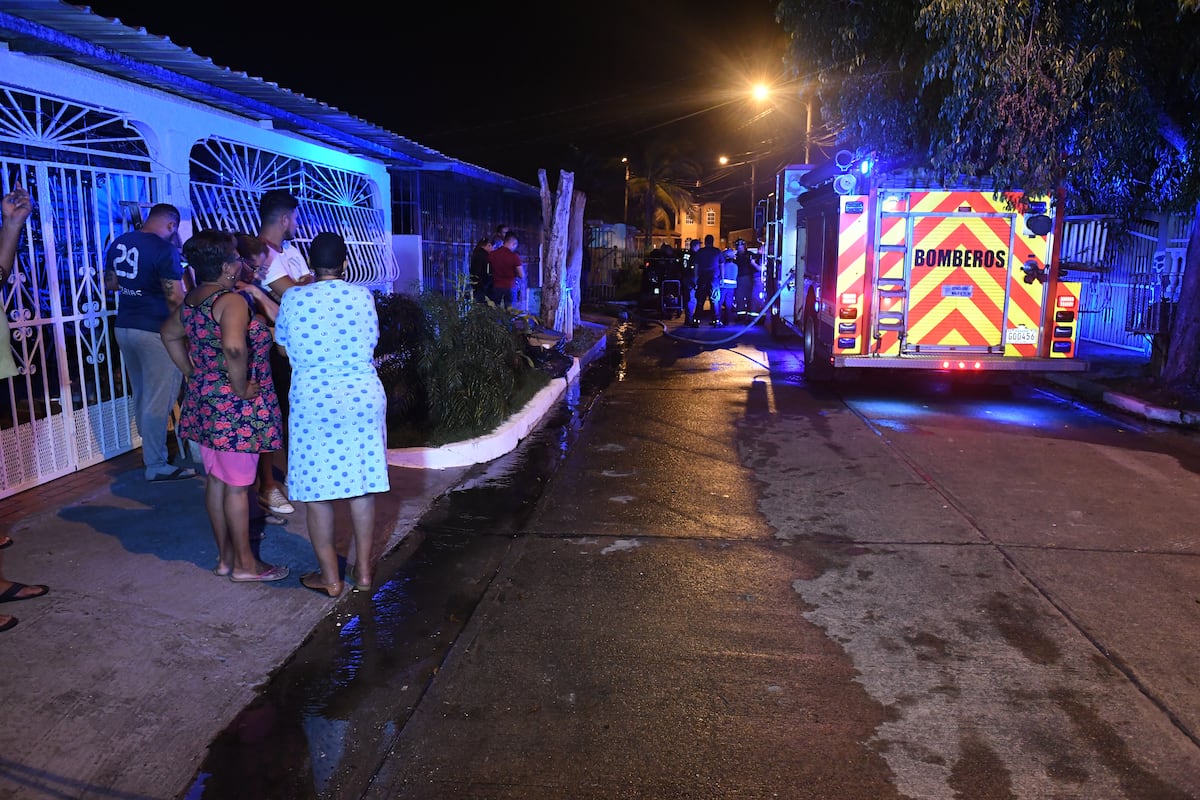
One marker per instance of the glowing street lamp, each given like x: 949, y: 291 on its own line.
x: 753, y: 161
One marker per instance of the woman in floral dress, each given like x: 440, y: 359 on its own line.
x: 229, y: 404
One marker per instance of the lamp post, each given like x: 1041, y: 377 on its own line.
x: 625, y: 216
x: 807, y: 128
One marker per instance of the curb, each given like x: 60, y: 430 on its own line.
x: 1170, y: 416
x: 1091, y: 390
x: 507, y: 436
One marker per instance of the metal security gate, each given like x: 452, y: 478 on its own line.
x: 1131, y: 277
x: 69, y: 406
x: 602, y: 247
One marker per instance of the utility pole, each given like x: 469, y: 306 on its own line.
x: 807, y: 128
x: 753, y: 184
x: 625, y: 216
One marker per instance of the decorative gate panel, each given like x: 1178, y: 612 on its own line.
x: 228, y: 178
x: 68, y: 408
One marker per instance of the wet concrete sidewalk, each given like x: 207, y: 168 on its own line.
x: 117, y: 681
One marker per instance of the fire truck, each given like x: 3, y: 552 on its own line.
x: 893, y: 271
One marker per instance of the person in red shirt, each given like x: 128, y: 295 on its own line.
x: 507, y: 269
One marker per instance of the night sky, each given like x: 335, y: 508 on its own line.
x: 512, y: 89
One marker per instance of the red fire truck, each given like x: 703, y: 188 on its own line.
x: 889, y: 271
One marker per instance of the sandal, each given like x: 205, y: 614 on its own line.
x: 312, y: 580
x: 8, y: 624
x: 7, y: 541
x: 13, y: 592
x: 269, y: 574
x: 177, y: 474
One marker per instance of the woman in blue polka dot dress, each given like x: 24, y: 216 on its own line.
x: 336, y: 432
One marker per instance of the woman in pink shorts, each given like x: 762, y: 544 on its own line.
x: 229, y: 404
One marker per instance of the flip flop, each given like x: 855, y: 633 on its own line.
x: 7, y: 541
x: 276, y: 573
x: 13, y: 593
x: 12, y: 623
x: 177, y: 474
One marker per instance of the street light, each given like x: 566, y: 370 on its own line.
x: 625, y: 218
x: 724, y: 162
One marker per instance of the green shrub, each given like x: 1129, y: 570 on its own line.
x: 452, y: 369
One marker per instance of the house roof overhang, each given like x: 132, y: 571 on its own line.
x: 76, y: 35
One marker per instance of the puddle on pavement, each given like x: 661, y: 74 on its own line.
x: 327, y: 719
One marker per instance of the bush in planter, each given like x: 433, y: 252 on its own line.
x: 452, y: 369
x: 401, y: 330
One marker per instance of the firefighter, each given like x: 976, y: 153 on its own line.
x: 729, y: 282
x: 708, y: 268
x: 687, y: 282
x: 748, y: 271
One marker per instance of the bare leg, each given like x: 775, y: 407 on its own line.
x: 320, y: 533
x: 214, y: 503
x: 362, y: 514
x: 237, y: 524
x: 266, y: 473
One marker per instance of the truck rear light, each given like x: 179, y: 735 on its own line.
x: 1061, y: 346
x: 849, y: 299
x: 847, y: 313
x: 1064, y: 316
x: 1066, y: 301
x: 846, y: 342
x: 850, y: 328
x: 1063, y: 331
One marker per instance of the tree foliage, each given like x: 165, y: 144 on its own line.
x: 660, y: 184
x: 1098, y: 96
x: 1098, y: 99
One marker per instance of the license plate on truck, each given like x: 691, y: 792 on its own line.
x: 1021, y: 335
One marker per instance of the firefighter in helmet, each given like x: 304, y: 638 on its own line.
x: 728, y: 285
x: 748, y: 271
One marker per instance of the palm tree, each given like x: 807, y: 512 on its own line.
x: 663, y: 185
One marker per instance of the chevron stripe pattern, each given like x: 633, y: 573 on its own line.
x: 958, y: 280
x: 852, y: 265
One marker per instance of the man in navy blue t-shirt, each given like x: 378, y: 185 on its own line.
x: 143, y: 267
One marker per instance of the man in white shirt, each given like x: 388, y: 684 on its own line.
x: 277, y: 220
x: 286, y: 267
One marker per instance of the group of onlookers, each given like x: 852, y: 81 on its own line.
x: 276, y: 351
x: 496, y: 271
x: 272, y: 351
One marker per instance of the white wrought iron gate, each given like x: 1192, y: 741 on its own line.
x: 69, y: 406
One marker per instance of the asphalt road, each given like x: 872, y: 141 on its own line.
x: 711, y: 580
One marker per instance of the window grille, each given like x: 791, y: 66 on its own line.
x: 228, y: 178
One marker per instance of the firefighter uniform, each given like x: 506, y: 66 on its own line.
x: 729, y: 282
x: 708, y: 270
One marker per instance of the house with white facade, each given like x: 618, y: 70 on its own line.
x: 99, y: 121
